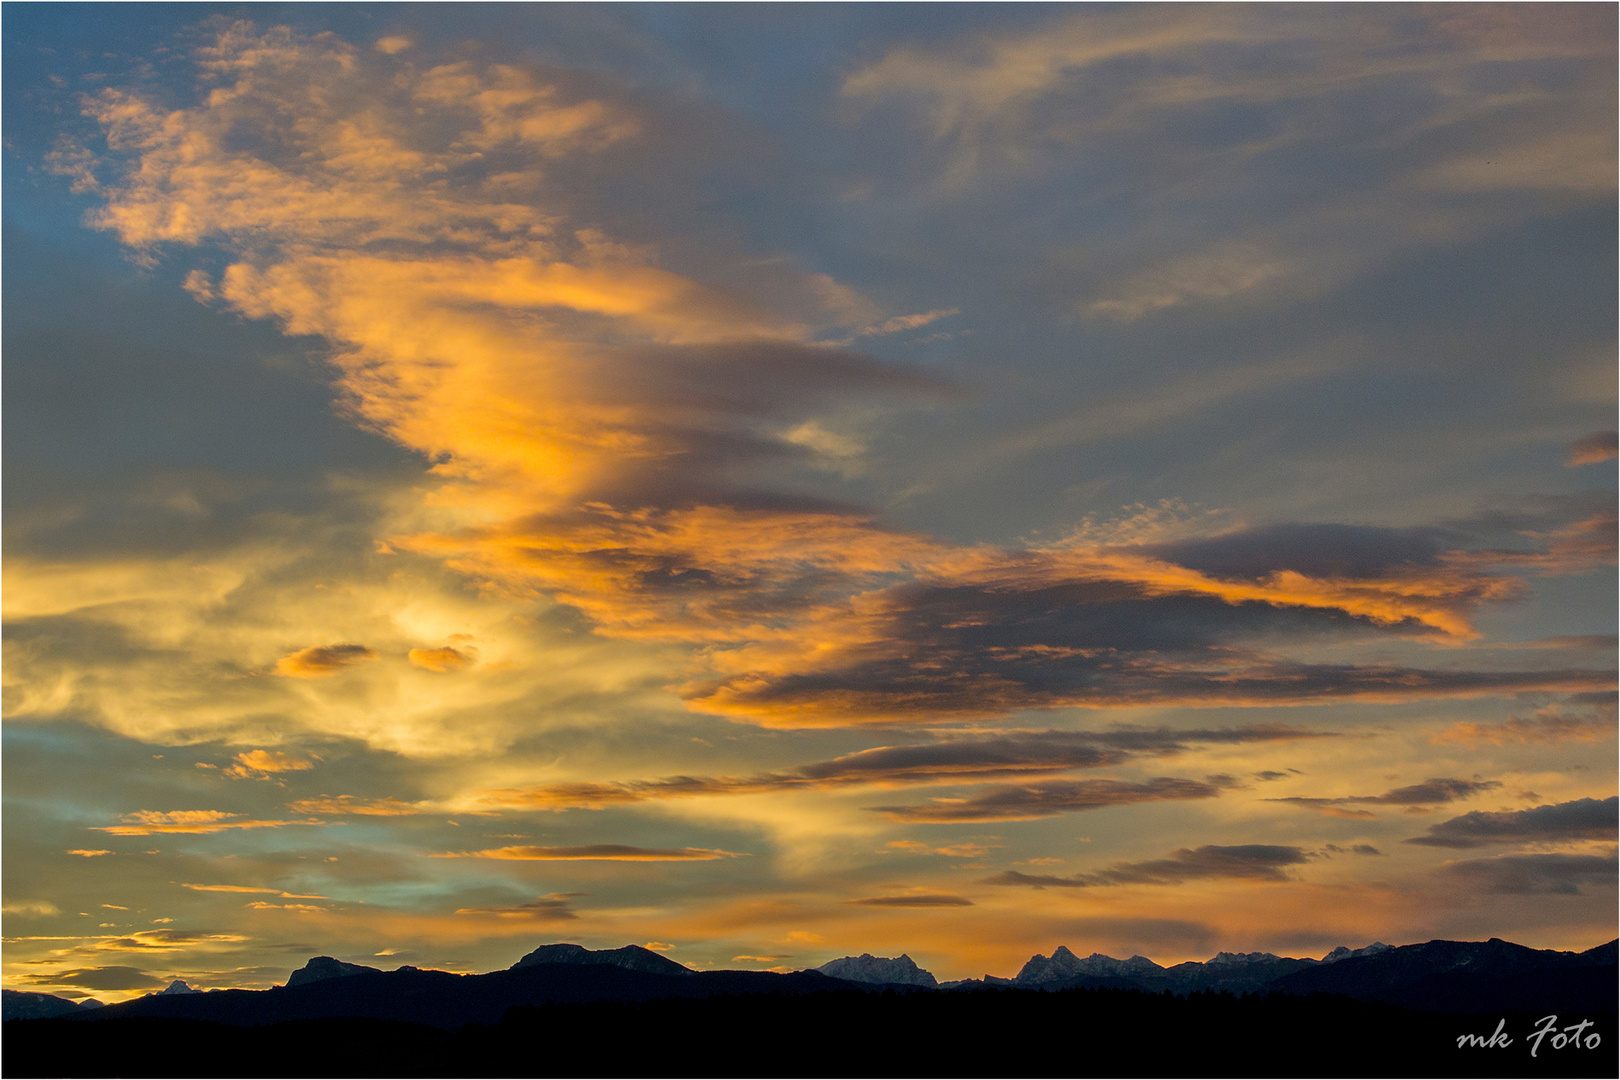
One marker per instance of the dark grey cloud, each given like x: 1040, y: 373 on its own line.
x: 1036, y: 752
x: 1027, y: 802
x: 966, y: 759
x: 1251, y: 862
x: 943, y: 761
x: 756, y: 378
x: 1513, y: 875
x: 99, y: 978
x: 1579, y: 819
x: 914, y: 900
x: 1431, y: 792
x: 1315, y: 550
x: 1355, y: 849
x: 946, y: 651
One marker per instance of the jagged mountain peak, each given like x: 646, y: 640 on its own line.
x: 879, y: 969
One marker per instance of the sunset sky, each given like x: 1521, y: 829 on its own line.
x: 773, y: 483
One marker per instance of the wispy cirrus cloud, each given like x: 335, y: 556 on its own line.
x: 197, y: 822
x: 1553, y: 724
x: 914, y: 900
x: 348, y: 804
x: 1028, y: 802
x: 593, y: 853
x: 950, y: 760
x: 1249, y: 862
x: 544, y: 909
x: 1418, y: 797
x: 251, y: 889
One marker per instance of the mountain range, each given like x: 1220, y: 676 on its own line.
x: 1435, y: 975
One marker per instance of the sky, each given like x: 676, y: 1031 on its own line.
x: 771, y: 483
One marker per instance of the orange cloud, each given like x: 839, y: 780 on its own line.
x: 319, y: 661
x: 441, y: 660
x: 263, y: 763
x: 149, y: 822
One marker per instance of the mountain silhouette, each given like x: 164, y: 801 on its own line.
x: 567, y: 1010
x: 630, y: 957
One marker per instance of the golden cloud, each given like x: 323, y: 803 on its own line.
x: 603, y: 425
x: 149, y: 822
x: 348, y: 804
x: 444, y: 659
x: 319, y: 661
x: 263, y: 763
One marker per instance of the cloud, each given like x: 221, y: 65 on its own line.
x: 98, y: 978
x: 1431, y: 792
x: 544, y: 909
x: 1207, y: 101
x: 594, y: 853
x: 319, y: 661
x: 1550, y: 725
x: 1593, y: 449
x: 948, y: 760
x: 150, y: 822
x: 1249, y: 862
x: 1579, y: 819
x: 1028, y: 802
x: 30, y: 908
x: 908, y: 322
x: 1032, y: 634
x: 1517, y: 875
x: 614, y: 433
x: 1326, y: 551
x: 261, y: 764
x: 89, y: 854
x: 441, y: 660
x: 348, y: 804
x: 167, y: 940
x: 914, y: 900
x: 251, y: 889
x: 1354, y: 849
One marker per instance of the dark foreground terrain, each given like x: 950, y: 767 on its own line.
x: 1440, y: 1008
x: 838, y: 1032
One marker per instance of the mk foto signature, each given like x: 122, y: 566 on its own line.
x: 1572, y: 1037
